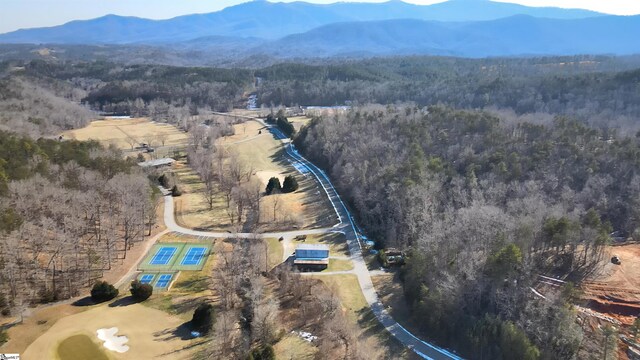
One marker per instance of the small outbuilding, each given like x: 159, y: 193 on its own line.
x: 311, y: 257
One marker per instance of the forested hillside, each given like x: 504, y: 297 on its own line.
x: 68, y: 211
x: 483, y: 205
x: 599, y: 90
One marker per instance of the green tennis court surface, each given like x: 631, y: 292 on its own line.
x: 174, y: 257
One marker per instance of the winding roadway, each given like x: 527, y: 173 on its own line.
x: 346, y: 226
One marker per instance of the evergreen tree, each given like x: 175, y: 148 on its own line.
x: 273, y: 186
x: 140, y: 291
x: 103, y: 291
x: 290, y: 184
x: 203, y: 318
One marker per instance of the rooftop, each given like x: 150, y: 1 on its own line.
x: 312, y: 247
x: 157, y: 162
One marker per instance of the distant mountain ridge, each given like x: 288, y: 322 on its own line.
x: 513, y: 36
x: 263, y: 19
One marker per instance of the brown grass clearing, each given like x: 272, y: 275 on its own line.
x: 119, y: 131
x: 39, y: 322
x: 275, y: 252
x: 291, y: 346
x: 339, y: 265
x: 191, y: 209
x: 244, y: 131
x: 305, y: 208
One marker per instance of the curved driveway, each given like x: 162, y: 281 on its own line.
x: 345, y: 225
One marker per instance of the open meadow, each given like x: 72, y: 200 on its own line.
x: 257, y: 150
x: 126, y: 134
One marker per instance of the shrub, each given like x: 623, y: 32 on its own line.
x: 4, y: 336
x: 290, y: 184
x: 175, y: 191
x: 103, y: 291
x: 273, y: 186
x: 203, y: 318
x: 4, y: 306
x: 140, y: 291
x: 265, y: 352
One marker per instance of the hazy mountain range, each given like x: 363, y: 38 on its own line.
x: 473, y: 28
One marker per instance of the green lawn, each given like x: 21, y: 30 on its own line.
x: 80, y: 347
x: 339, y: 265
x: 275, y: 252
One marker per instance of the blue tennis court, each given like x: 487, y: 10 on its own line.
x: 194, y: 256
x: 163, y: 280
x: 163, y: 256
x: 147, y: 278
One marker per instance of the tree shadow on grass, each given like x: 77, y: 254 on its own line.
x: 182, y: 332
x: 85, y: 301
x: 125, y: 301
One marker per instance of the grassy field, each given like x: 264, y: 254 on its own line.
x: 339, y: 265
x: 291, y: 346
x: 347, y: 288
x: 119, y: 131
x: 275, y: 252
x: 21, y: 336
x: 152, y: 334
x: 263, y: 154
x: 80, y: 347
x: 191, y: 209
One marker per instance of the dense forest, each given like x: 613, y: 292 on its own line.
x: 162, y: 92
x: 69, y: 210
x: 483, y: 205
x: 599, y: 90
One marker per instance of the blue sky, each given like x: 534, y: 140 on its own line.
x: 15, y: 14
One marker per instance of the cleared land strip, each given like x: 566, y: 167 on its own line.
x: 422, y: 348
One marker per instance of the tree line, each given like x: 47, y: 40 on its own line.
x: 598, y: 90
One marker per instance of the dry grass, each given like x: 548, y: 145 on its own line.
x: 117, y: 131
x: 152, y: 334
x: 347, y: 288
x: 299, y: 121
x: 371, y: 332
x: 339, y: 265
x: 293, y: 347
x: 275, y: 252
x: 305, y: 208
x: 20, y: 336
x: 174, y: 237
x: 191, y: 209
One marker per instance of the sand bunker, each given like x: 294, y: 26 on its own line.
x: 113, y: 342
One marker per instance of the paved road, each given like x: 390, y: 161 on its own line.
x: 346, y: 226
